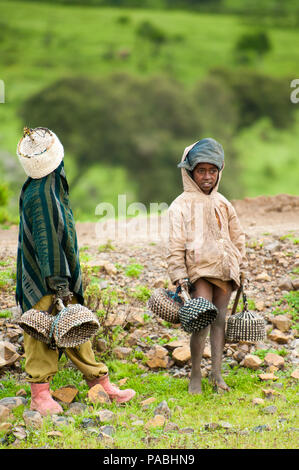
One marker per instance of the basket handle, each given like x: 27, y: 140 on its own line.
x: 185, y: 294
x: 239, y: 291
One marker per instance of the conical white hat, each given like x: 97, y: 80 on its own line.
x: 40, y: 152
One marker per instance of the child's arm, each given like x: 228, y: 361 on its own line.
x: 176, y: 245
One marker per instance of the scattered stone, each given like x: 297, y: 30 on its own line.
x: 4, y: 413
x: 110, y: 269
x: 275, y: 360
x: 116, y: 319
x: 158, y: 420
x: 65, y: 394
x: 163, y: 409
x: 60, y: 420
x: 138, y: 422
x: 260, y: 305
x: 8, y: 354
x: 148, y: 401
x: 181, y: 355
x: 121, y: 352
x: 270, y: 409
x: 106, y: 438
x: 54, y: 434
x: 295, y: 374
x: 295, y: 283
x: 101, y: 345
x: 158, y: 358
x: 106, y: 415
x: 225, y: 425
x: 136, y: 316
x: 170, y: 426
x: 159, y: 283
x: 263, y: 277
x: 278, y: 337
x: 13, y: 402
x: 261, y: 428
x: 186, y: 431
x: 87, y: 423
x: 285, y: 283
x: 32, y: 419
x: 123, y: 381
x: 107, y: 430
x: 207, y: 352
x: 281, y: 322
x: 97, y: 394
x: 268, y: 376
x: 211, y: 426
x: 76, y: 408
x: 20, y: 432
x: 5, y: 426
x: 274, y: 246
x: 272, y: 369
x: 258, y: 401
x: 179, y: 343
x: 21, y: 393
x: 252, y: 361
x: 239, y: 355
x: 269, y: 393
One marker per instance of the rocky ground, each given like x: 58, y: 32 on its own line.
x: 119, y: 276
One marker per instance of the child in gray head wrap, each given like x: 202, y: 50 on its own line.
x: 207, y: 151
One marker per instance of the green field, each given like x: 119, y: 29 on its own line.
x: 41, y: 43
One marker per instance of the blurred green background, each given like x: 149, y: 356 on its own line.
x: 128, y: 84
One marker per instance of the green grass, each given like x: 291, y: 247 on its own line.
x: 187, y: 411
x: 134, y: 270
x: 5, y: 314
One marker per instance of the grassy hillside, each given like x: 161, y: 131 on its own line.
x: 41, y: 43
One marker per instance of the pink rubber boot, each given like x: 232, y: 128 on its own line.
x: 121, y: 396
x: 42, y: 401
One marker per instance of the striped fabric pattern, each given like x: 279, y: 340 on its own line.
x: 47, y: 244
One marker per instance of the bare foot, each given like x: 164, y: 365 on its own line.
x: 195, y: 384
x: 219, y: 384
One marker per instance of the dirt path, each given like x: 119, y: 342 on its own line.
x: 275, y: 215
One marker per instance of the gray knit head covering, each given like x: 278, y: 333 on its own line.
x: 205, y: 151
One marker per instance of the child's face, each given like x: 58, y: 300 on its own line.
x: 205, y: 176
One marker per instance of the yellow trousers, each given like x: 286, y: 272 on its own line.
x: 41, y: 362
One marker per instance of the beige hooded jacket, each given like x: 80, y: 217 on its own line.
x: 197, y: 246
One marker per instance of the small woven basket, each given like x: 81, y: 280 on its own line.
x: 245, y: 326
x: 73, y: 325
x: 166, y: 304
x: 197, y: 313
x: 37, y: 324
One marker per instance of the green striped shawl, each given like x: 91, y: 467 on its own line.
x: 47, y: 244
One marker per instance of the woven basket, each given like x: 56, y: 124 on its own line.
x: 197, y: 314
x: 37, y: 324
x: 244, y: 326
x: 73, y: 325
x: 166, y: 304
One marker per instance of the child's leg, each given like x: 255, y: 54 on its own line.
x: 83, y: 358
x: 197, y: 340
x: 217, y: 334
